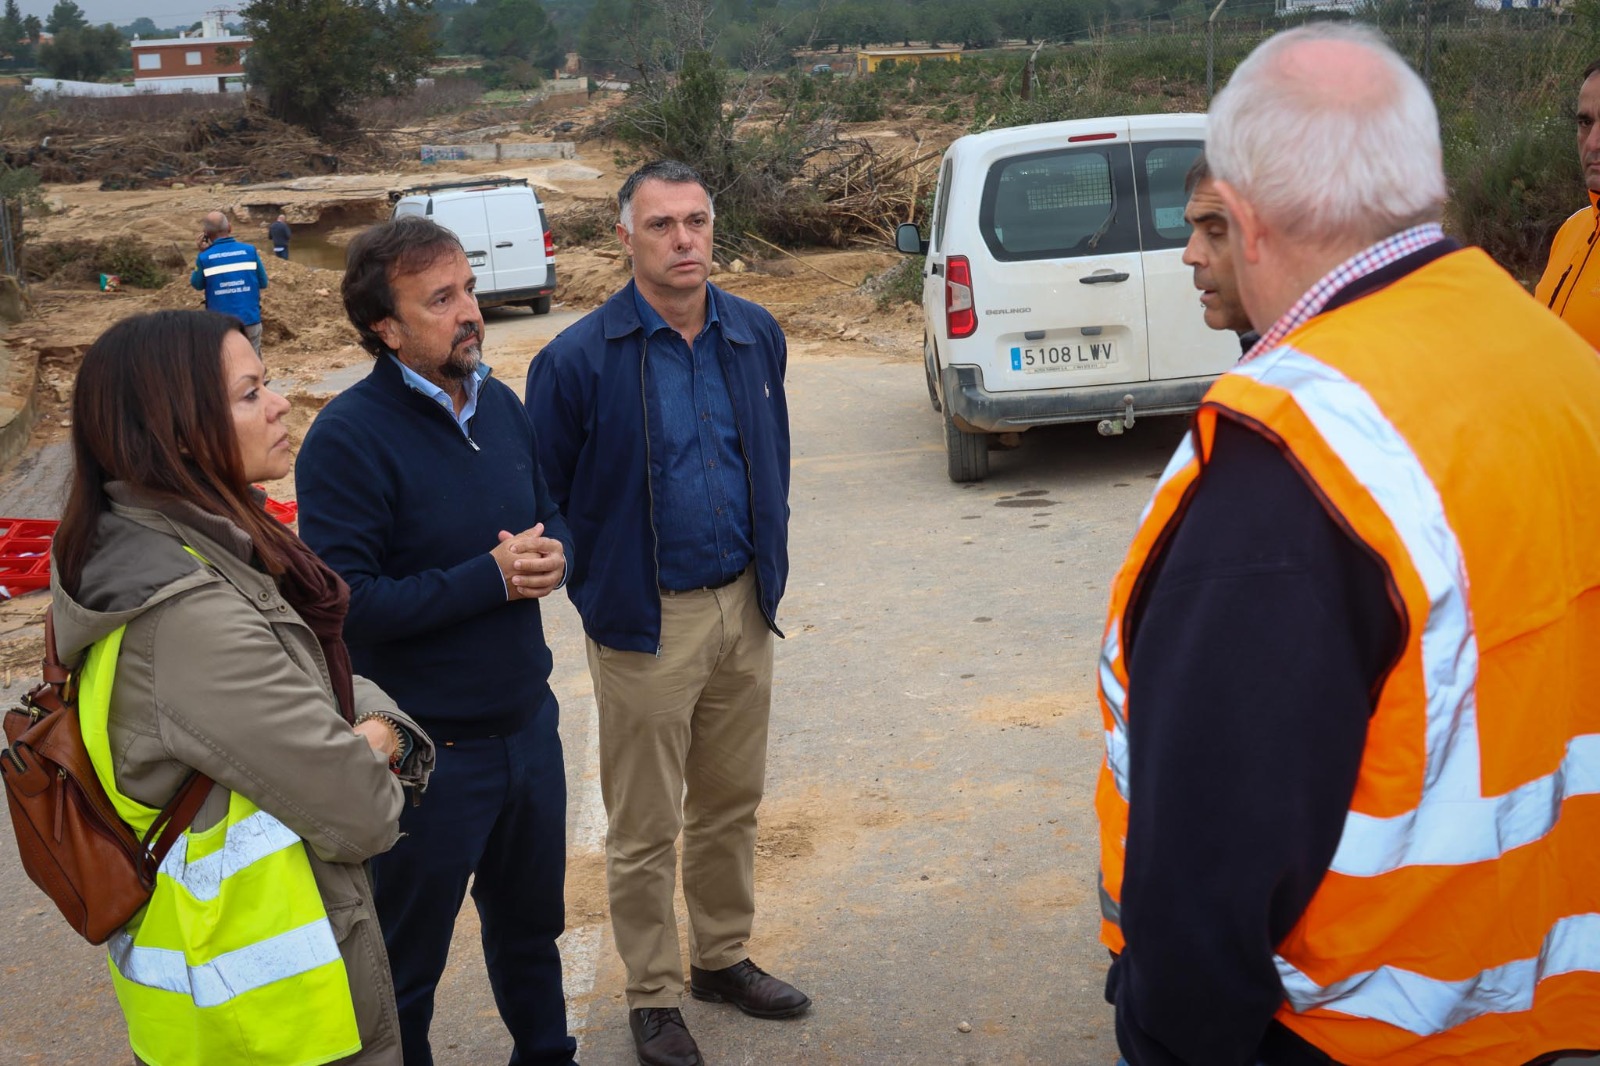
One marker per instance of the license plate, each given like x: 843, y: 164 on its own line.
x: 477, y: 260
x: 1046, y: 358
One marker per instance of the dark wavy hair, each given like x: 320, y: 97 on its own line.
x: 150, y: 408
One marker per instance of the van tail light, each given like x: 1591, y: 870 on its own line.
x: 549, y: 244
x: 960, y: 318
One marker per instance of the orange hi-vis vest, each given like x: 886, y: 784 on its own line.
x: 1452, y: 426
x: 1570, y: 285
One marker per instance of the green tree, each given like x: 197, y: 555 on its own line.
x: 314, y: 59
x: 141, y: 28
x: 619, y: 34
x: 85, y: 53
x: 506, y: 29
x: 962, y: 23
x: 31, y: 28
x: 10, y: 26
x: 66, y: 15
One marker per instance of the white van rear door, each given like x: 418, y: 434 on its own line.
x: 933, y: 268
x: 1181, y: 344
x: 516, y: 238
x: 1060, y: 288
x: 462, y: 214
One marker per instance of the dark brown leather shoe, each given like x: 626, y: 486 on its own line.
x: 750, y: 988
x: 660, y: 1037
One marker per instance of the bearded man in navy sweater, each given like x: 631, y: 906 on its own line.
x: 421, y: 486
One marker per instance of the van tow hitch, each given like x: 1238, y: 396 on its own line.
x: 1115, y: 427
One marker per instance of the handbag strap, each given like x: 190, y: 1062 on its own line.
x: 176, y: 816
x: 54, y: 672
x: 180, y: 811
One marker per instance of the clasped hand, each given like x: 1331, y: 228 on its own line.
x: 531, y: 563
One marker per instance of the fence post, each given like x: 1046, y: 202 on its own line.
x: 1427, y: 44
x: 8, y: 242
x: 1211, y: 48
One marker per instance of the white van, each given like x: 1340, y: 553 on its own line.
x: 503, y: 230
x: 1054, y: 289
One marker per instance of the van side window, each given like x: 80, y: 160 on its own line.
x: 1162, y: 169
x: 1060, y: 204
x: 943, y: 205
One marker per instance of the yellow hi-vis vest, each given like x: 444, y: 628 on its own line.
x: 233, y: 960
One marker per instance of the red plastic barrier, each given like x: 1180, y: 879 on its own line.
x: 285, y: 511
x: 25, y: 554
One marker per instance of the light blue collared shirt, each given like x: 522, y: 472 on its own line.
x: 442, y: 398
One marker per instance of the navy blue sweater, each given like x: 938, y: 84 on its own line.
x: 397, y: 500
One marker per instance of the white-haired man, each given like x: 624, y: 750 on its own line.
x: 1352, y: 777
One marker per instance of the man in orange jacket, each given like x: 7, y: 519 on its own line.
x: 1351, y: 789
x: 1571, y: 286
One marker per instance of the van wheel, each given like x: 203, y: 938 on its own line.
x: 968, y: 453
x: 540, y: 305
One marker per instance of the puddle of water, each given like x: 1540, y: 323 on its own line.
x: 308, y: 248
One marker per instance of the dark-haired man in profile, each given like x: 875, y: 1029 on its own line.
x: 420, y: 485
x: 1210, y: 256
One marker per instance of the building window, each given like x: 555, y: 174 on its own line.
x: 149, y: 60
x: 191, y: 59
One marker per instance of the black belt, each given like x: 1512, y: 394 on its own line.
x: 724, y: 583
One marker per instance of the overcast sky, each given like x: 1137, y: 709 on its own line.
x: 122, y: 12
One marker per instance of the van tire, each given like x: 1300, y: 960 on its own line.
x: 968, y: 453
x: 540, y: 305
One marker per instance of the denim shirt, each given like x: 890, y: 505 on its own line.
x: 702, y: 514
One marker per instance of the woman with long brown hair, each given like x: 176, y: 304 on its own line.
x: 206, y: 638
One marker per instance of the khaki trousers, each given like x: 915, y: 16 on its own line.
x: 683, y: 746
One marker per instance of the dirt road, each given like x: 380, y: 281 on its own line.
x: 927, y: 847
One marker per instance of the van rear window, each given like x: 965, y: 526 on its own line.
x: 1060, y: 204
x: 1165, y: 167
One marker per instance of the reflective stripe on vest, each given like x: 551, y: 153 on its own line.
x: 233, y: 959
x: 233, y: 973
x: 227, y: 268
x: 1428, y: 1006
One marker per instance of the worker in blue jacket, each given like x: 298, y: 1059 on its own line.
x: 231, y: 274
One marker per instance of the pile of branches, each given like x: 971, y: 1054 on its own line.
x: 855, y: 195
x: 234, y: 145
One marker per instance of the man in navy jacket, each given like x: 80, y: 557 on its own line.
x: 666, y: 443
x: 231, y: 275
x: 420, y: 485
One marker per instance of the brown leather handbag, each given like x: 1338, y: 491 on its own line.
x: 74, y: 845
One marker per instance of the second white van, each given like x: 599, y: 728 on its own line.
x: 502, y: 227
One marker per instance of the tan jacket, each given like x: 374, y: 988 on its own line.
x: 218, y: 673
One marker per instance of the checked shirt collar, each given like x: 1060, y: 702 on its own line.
x: 1380, y: 255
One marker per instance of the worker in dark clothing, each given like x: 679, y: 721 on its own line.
x: 279, y: 233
